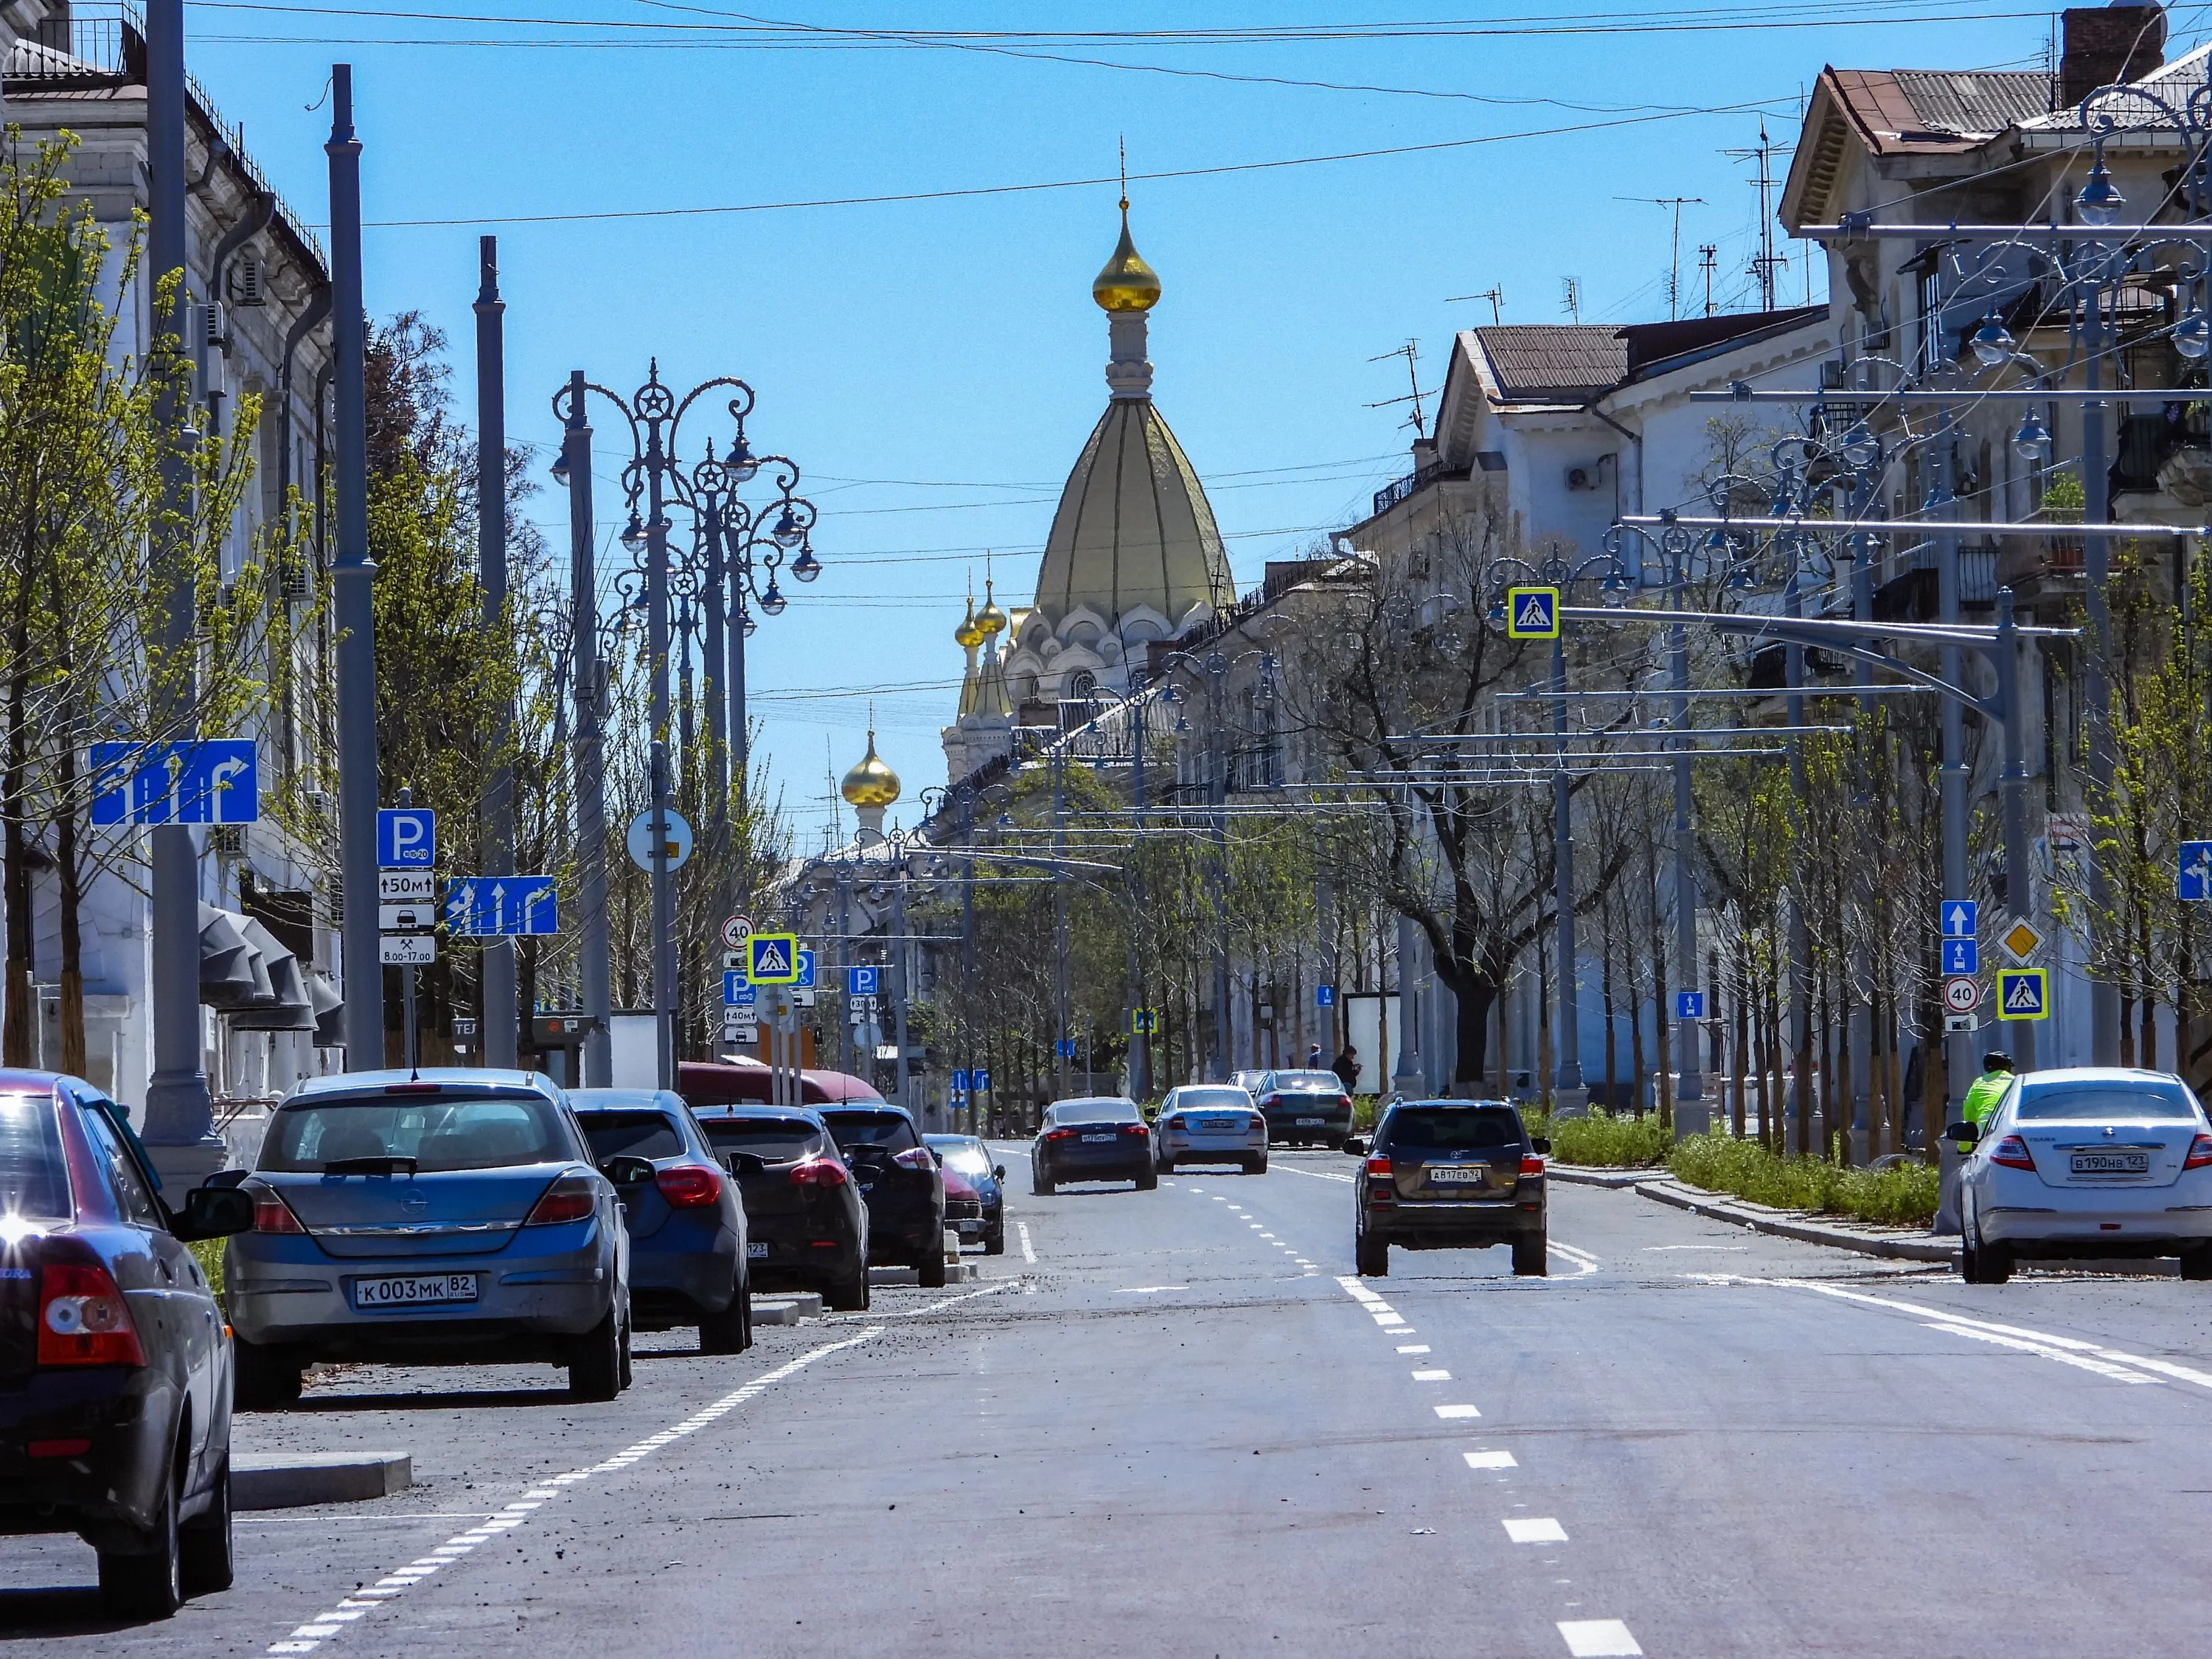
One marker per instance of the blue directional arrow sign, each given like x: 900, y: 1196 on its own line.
x: 981, y: 1080
x: 1959, y: 917
x: 1324, y: 996
x: 1689, y: 1004
x: 861, y: 981
x: 2197, y: 870
x: 490, y: 906
x: 960, y: 1082
x: 213, y: 780
x: 406, y: 838
x: 1961, y: 956
x: 1065, y: 1048
x: 738, y: 991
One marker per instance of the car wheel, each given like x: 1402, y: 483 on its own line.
x: 2197, y: 1263
x: 1256, y: 1165
x: 1166, y: 1166
x: 929, y: 1272
x: 726, y: 1331
x: 1371, y: 1256
x: 1042, y: 1186
x: 263, y: 1379
x: 595, y: 1363
x: 850, y: 1295
x: 204, y: 1543
x: 1530, y: 1259
x: 1147, y: 1179
x: 1997, y: 1264
x: 995, y: 1243
x: 147, y: 1581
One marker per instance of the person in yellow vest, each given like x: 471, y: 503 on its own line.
x: 1987, y: 1091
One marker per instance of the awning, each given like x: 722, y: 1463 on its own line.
x: 290, y: 1008
x: 330, y: 1012
x: 245, y: 973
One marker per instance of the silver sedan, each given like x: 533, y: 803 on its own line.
x: 2095, y: 1162
x: 1210, y: 1123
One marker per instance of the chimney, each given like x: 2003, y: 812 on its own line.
x: 2106, y: 44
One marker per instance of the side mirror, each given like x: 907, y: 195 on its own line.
x: 1356, y: 1146
x: 1967, y: 1132
x: 227, y: 1178
x: 1541, y: 1147
x: 627, y: 1169
x: 998, y: 1172
x: 214, y: 1212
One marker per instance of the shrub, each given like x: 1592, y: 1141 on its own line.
x: 1605, y: 1140
x: 1902, y: 1195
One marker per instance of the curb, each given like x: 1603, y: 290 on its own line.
x: 1591, y: 1175
x: 788, y: 1309
x: 1779, y: 1223
x: 292, y: 1481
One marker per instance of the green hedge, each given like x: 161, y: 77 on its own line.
x: 1603, y: 1140
x: 1904, y: 1195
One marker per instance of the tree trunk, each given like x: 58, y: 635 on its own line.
x: 1637, y: 1078
x: 1737, y: 991
x: 1612, y: 1035
x: 1877, y: 1073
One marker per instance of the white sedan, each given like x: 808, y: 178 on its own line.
x: 2094, y: 1162
x: 1210, y: 1123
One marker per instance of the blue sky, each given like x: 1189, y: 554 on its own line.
x: 935, y: 365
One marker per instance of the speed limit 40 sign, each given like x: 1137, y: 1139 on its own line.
x: 1962, y: 995
x: 736, y: 930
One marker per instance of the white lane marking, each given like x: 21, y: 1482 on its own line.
x: 1431, y: 1377
x: 1357, y: 1292
x: 1028, y: 1250
x: 1583, y: 1261
x: 1530, y: 1530
x: 1661, y: 1250
x: 1318, y: 1174
x: 1412, y: 1347
x: 1490, y: 1460
x: 305, y: 1638
x: 1454, y: 1411
x: 927, y: 1307
x: 1148, y: 1289
x: 1598, y: 1638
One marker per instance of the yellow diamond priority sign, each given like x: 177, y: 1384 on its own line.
x: 2022, y: 940
x: 2023, y: 993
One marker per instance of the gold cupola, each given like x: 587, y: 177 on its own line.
x: 870, y: 783
x: 1126, y: 283
x: 970, y: 634
x: 990, y: 620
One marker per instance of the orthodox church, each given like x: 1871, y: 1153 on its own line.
x: 1133, y: 559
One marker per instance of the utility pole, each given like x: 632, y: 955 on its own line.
x: 591, y: 964
x: 1708, y: 256
x: 1767, y: 261
x: 501, y: 1016
x: 1674, y: 261
x: 353, y: 576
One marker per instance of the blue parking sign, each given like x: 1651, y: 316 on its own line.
x: 406, y: 837
x: 738, y: 991
x: 861, y: 981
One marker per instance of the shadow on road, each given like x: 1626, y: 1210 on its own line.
x: 39, y: 1613
x: 470, y: 1399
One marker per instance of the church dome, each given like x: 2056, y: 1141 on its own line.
x: 870, y: 783
x: 990, y: 620
x: 970, y: 634
x: 1126, y: 283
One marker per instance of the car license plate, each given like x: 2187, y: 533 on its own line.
x: 1094, y: 1140
x: 1465, y: 1173
x: 1310, y: 1122
x: 756, y: 1251
x: 2111, y: 1164
x: 1219, y: 1125
x: 413, y: 1289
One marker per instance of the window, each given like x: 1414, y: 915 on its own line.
x: 440, y: 1134
x: 772, y: 1140
x: 33, y: 1180
x: 2108, y: 1103
x: 134, y: 1201
x: 1451, y: 1128
x: 893, y: 1131
x: 1215, y: 1099
x: 638, y: 1135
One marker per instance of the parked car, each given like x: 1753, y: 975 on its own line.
x: 899, y: 1178
x: 806, y: 1222
x: 745, y: 1081
x: 1097, y: 1137
x: 687, y: 1223
x: 115, y: 1365
x: 445, y: 1217
x: 1209, y: 1123
x: 1250, y: 1082
x: 1305, y: 1109
x: 2099, y: 1163
x: 980, y: 1213
x: 1447, y: 1175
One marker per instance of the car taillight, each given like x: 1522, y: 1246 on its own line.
x: 1176, y: 1123
x: 915, y: 1157
x: 1531, y: 1165
x: 1380, y: 1166
x: 271, y: 1214
x: 1267, y: 1101
x: 819, y: 1172
x: 2200, y: 1153
x: 1134, y: 1129
x: 570, y: 1198
x: 1062, y: 1134
x: 82, y: 1319
x: 689, y: 1186
x: 2012, y: 1152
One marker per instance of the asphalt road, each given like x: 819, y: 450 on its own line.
x: 1182, y: 1429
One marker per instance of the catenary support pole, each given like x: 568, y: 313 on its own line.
x: 353, y: 575
x: 592, y: 971
x: 1691, y: 1116
x: 2097, y: 564
x: 1957, y: 1048
x: 662, y: 943
x: 1567, y: 1070
x: 501, y: 1016
x: 2012, y: 785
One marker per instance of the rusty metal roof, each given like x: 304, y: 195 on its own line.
x: 1553, y: 362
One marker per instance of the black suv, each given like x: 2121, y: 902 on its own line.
x: 806, y: 1225
x: 1447, y: 1175
x: 900, y: 1178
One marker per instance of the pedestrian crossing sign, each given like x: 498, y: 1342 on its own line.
x: 774, y: 958
x: 1144, y: 1021
x: 2023, y: 993
x: 1532, y: 613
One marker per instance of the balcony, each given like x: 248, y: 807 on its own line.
x: 1412, y: 483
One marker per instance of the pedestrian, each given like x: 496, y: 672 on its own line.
x: 1347, y: 1067
x: 1987, y: 1089
x: 1313, y: 1058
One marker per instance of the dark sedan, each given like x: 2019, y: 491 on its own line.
x: 115, y: 1364
x: 1451, y: 1175
x: 1305, y: 1108
x: 686, y: 1221
x: 806, y: 1223
x: 1097, y: 1139
x: 899, y: 1177
x: 978, y: 1213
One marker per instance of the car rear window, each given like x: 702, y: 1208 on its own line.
x: 639, y: 1134
x: 2107, y: 1103
x: 1327, y: 1082
x: 773, y: 1140
x: 1104, y: 1110
x: 964, y: 1156
x: 33, y: 1180
x: 1211, y: 1100
x: 1451, y: 1128
x: 893, y: 1131
x: 440, y: 1133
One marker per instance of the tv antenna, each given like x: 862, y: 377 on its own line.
x: 1495, y: 295
x: 1571, y: 297
x: 1674, y: 262
x: 1411, y: 351
x: 1708, y: 255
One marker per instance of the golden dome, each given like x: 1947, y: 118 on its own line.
x: 1126, y: 283
x: 970, y: 634
x: 870, y: 783
x: 990, y: 620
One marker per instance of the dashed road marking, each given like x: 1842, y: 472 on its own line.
x: 1598, y: 1638
x: 1320, y: 1174
x: 1412, y: 1347
x: 1028, y: 1250
x: 1452, y: 1413
x: 1528, y: 1529
x: 1432, y: 1377
x: 1490, y: 1460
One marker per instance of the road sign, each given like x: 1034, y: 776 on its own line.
x: 406, y: 837
x: 777, y: 1003
x: 2197, y: 870
x: 1689, y: 1004
x: 960, y: 1081
x: 2022, y: 940
x: 772, y: 958
x: 979, y: 1081
x: 1955, y: 1024
x: 465, y: 1028
x: 1532, y: 613
x: 212, y: 781
x: 2023, y: 993
x: 1324, y: 996
x: 407, y: 918
x: 1144, y: 1021
x: 489, y: 907
x: 738, y: 992
x: 736, y: 930
x: 393, y: 885
x: 1961, y: 956
x: 1065, y: 1048
x: 805, y: 980
x: 734, y: 1033
x: 1962, y: 996
x: 861, y: 981
x: 802, y: 996
x: 2069, y: 832
x: 639, y: 840
x: 1959, y: 917
x: 407, y: 950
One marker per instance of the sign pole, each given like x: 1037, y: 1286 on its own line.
x: 497, y: 983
